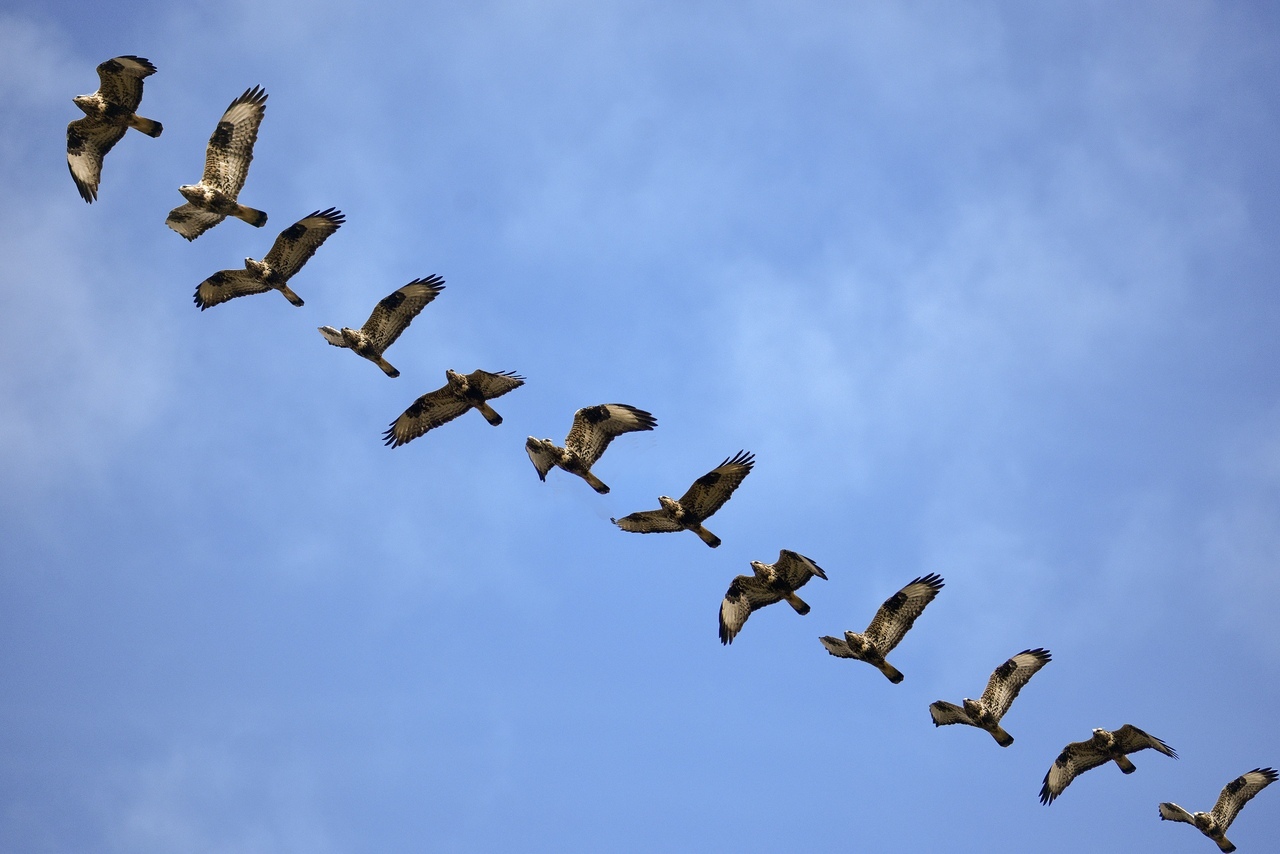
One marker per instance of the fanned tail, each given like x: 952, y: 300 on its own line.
x: 253, y: 216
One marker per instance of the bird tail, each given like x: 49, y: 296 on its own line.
x: 1224, y: 843
x: 489, y: 414
x: 596, y: 483
x: 1125, y: 765
x: 1002, y: 738
x: 290, y: 295
x: 390, y: 371
x: 254, y: 217
x: 150, y: 127
x: 706, y: 536
x: 891, y: 673
x: 799, y: 604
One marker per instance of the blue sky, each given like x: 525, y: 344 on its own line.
x: 989, y: 289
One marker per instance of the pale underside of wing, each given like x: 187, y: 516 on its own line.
x: 838, y: 647
x: 191, y: 221
x: 296, y: 244
x: 427, y: 412
x: 709, y: 492
x: 543, y: 459
x: 1173, y: 812
x: 648, y: 522
x: 492, y: 384
x: 1076, y: 758
x: 226, y: 163
x: 1238, y: 792
x: 746, y: 594
x: 944, y: 713
x: 899, y: 612
x: 594, y: 427
x: 226, y: 285
x: 1009, y: 678
x: 120, y: 80
x: 394, y: 312
x: 88, y: 141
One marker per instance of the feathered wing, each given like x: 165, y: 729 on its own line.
x: 594, y: 427
x: 191, y: 221
x: 228, y: 284
x: 1238, y: 792
x: 493, y: 385
x: 898, y: 613
x: 88, y: 141
x: 1007, y: 680
x: 427, y: 412
x: 1173, y: 812
x: 648, y: 522
x: 709, y: 492
x: 795, y: 569
x: 1076, y: 758
x: 394, y: 312
x: 1130, y: 739
x: 120, y: 80
x: 944, y: 713
x: 543, y: 460
x: 839, y: 647
x: 746, y: 593
x: 226, y: 161
x: 296, y: 244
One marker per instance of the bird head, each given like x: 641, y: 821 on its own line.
x: 256, y: 267
x: 193, y: 193
x: 971, y: 707
x: 456, y: 379
x: 669, y: 504
x: 84, y: 102
x: 758, y: 567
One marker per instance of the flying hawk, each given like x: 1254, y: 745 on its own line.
x: 390, y: 317
x: 226, y: 165
x: 771, y: 583
x: 460, y: 393
x: 108, y: 113
x: 291, y: 250
x: 707, y: 495
x: 1079, y: 756
x: 1002, y: 689
x: 891, y: 622
x: 1233, y: 798
x: 594, y: 427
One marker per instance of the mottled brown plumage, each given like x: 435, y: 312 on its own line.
x: 108, y: 113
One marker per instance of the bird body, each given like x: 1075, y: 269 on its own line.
x: 707, y: 495
x: 390, y: 317
x: 594, y: 427
x: 1232, y: 799
x: 108, y: 114
x: 892, y: 621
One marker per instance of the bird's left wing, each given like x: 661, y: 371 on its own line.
x: 594, y: 427
x: 297, y: 243
x: 1238, y: 792
x: 394, y: 312
x: 709, y: 492
x: 88, y: 141
x: 1007, y: 680
x: 648, y: 522
x: 228, y: 284
x: 898, y: 613
x: 746, y: 593
x: 191, y: 222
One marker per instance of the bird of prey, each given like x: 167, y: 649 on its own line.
x: 1233, y: 798
x: 108, y: 113
x: 707, y: 495
x: 460, y: 393
x: 1003, y: 687
x: 771, y: 583
x: 391, y: 316
x: 291, y: 250
x: 1079, y: 756
x: 891, y: 622
x: 594, y: 427
x: 226, y: 165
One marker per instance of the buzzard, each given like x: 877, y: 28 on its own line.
x: 391, y: 316
x: 291, y: 250
x: 1233, y: 798
x: 1002, y: 689
x: 594, y: 427
x: 1079, y: 756
x: 460, y: 393
x: 108, y: 113
x: 891, y: 622
x: 226, y: 165
x: 707, y: 495
x: 771, y: 583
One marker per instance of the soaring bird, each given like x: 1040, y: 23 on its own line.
x: 460, y: 393
x: 771, y: 583
x: 226, y: 165
x: 594, y: 427
x: 707, y: 495
x: 1079, y: 756
x: 891, y: 622
x: 291, y: 250
x: 108, y: 113
x: 1233, y: 798
x: 391, y: 316
x: 1002, y: 688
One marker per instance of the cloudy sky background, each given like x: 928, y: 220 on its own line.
x: 989, y: 289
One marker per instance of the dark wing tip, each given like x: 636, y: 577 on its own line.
x: 435, y: 281
x: 742, y: 458
x: 333, y: 215
x: 392, y: 440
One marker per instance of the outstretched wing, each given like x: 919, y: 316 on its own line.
x: 494, y: 385
x: 1007, y: 680
x: 1173, y: 812
x: 709, y: 492
x: 899, y: 612
x: 393, y: 313
x: 88, y: 141
x: 427, y: 412
x: 944, y: 713
x: 795, y: 570
x: 228, y: 284
x: 121, y: 80
x: 543, y: 460
x: 297, y: 243
x: 839, y: 647
x: 191, y: 222
x: 648, y: 522
x: 1076, y: 758
x: 226, y: 161
x: 746, y: 593
x: 1130, y: 739
x: 1238, y: 792
x: 594, y: 427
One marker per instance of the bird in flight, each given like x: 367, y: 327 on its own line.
x: 771, y: 583
x: 291, y: 250
x: 1080, y: 756
x: 1002, y: 688
x: 460, y: 393
x: 890, y: 624
x: 1233, y: 798
x: 707, y: 495
x: 594, y: 427
x: 391, y: 316
x: 108, y: 113
x: 226, y: 165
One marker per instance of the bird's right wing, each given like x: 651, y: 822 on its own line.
x: 1007, y: 680
x: 944, y: 713
x: 594, y: 427
x: 898, y: 613
x: 226, y: 160
x: 427, y: 412
x: 648, y: 522
x: 226, y: 285
x: 190, y: 221
x: 1238, y: 792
